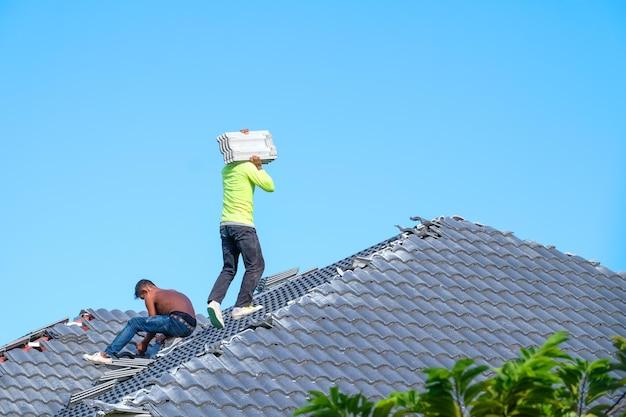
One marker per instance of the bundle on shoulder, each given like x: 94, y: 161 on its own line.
x: 240, y: 146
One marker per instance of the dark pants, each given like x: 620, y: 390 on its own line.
x: 239, y: 240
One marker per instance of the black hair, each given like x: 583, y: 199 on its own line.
x: 140, y: 284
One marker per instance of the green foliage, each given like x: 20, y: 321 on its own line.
x: 583, y: 383
x: 541, y: 382
x: 619, y: 343
x: 620, y: 347
x: 407, y: 403
x: 521, y: 385
x: 449, y: 391
x: 336, y: 404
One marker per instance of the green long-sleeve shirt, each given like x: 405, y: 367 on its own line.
x: 240, y: 179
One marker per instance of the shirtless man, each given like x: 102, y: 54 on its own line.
x: 169, y: 313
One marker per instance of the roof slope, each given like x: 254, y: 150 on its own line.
x: 426, y: 297
x: 473, y: 292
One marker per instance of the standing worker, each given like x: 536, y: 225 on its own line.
x: 239, y: 236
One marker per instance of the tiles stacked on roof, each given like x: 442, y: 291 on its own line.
x: 237, y: 146
x: 423, y: 302
x: 266, y: 283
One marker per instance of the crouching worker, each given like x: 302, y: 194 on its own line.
x: 169, y: 313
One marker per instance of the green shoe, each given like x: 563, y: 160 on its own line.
x: 215, y: 314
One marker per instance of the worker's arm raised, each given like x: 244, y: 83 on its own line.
x: 258, y: 176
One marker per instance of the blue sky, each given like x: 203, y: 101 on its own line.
x: 507, y: 113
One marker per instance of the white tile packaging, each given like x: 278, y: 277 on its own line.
x: 239, y: 146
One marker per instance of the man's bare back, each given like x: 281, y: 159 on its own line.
x: 164, y: 302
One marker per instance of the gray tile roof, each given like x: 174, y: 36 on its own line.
x: 36, y: 383
x: 424, y: 298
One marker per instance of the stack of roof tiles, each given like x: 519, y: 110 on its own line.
x: 238, y: 146
x: 370, y: 322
